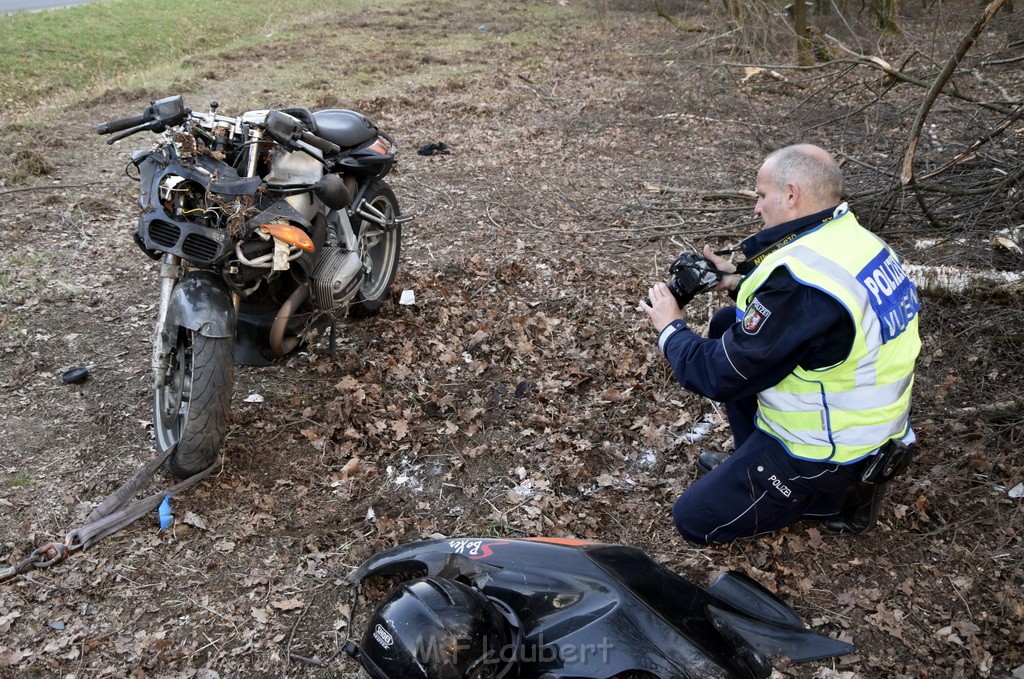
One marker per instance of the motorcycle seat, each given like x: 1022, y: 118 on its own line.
x: 345, y: 128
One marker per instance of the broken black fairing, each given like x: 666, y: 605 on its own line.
x: 596, y: 610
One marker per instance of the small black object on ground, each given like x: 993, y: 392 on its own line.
x: 74, y: 376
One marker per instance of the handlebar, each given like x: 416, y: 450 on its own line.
x: 285, y: 129
x: 156, y: 116
x: 280, y: 126
x: 328, y: 148
x: 121, y: 124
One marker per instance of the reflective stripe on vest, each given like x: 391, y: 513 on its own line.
x: 843, y: 412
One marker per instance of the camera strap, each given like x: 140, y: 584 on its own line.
x: 749, y: 264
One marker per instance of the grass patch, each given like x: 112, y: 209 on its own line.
x: 237, y: 52
x: 20, y: 481
x: 49, y: 56
x: 25, y: 274
x: 24, y: 165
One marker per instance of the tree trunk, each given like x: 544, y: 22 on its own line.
x: 805, y: 56
x: 884, y: 13
x: 952, y: 280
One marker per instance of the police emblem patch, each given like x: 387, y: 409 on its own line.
x: 755, y: 317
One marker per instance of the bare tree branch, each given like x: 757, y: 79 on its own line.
x: 888, y: 69
x: 978, y: 143
x: 687, y: 28
x: 907, y: 174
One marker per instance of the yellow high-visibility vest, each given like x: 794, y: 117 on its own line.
x: 843, y: 412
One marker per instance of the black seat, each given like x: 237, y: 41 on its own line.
x: 345, y: 128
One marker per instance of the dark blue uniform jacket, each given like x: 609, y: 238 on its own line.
x: 805, y: 327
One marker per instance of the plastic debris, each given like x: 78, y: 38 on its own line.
x: 408, y: 298
x: 166, y: 518
x: 75, y: 376
x: 434, y: 149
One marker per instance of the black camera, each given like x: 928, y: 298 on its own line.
x: 691, y: 275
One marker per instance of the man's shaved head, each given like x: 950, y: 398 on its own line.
x: 812, y: 168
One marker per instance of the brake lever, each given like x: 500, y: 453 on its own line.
x: 118, y: 136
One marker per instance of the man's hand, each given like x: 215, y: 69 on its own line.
x: 730, y: 281
x: 663, y: 308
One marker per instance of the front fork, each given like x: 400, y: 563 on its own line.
x: 199, y: 301
x: 170, y: 272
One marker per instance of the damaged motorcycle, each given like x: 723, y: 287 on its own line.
x: 269, y: 227
x: 550, y: 608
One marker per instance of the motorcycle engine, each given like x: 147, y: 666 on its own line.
x: 335, y: 278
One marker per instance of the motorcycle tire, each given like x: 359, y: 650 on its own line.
x: 191, y: 408
x: 381, y: 247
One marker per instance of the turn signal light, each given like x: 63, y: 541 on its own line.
x: 381, y: 146
x: 292, y: 235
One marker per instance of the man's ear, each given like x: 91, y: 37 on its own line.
x: 792, y: 195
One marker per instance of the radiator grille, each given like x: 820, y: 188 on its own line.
x: 164, y: 233
x: 199, y: 249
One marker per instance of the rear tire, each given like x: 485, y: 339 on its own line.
x: 191, y: 408
x: 378, y: 247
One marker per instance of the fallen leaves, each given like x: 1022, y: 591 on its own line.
x: 13, y: 658
x: 523, y: 395
x: 288, y: 604
x: 888, y: 619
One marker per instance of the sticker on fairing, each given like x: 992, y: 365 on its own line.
x: 755, y: 317
x: 892, y: 294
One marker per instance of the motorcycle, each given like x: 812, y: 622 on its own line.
x: 270, y: 227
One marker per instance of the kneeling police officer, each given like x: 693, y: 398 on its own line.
x: 814, y: 363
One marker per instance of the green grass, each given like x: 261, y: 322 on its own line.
x: 19, y: 481
x: 47, y: 56
x: 233, y: 49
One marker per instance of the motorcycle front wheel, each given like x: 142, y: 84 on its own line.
x: 379, y: 246
x: 191, y: 407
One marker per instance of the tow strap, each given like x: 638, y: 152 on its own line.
x: 114, y: 513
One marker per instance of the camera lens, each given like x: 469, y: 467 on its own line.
x: 681, y: 297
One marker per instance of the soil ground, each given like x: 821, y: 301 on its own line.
x: 522, y: 395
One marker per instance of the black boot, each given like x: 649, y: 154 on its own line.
x: 707, y: 461
x: 860, y: 510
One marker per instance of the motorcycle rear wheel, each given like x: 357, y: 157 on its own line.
x: 191, y: 408
x: 379, y: 247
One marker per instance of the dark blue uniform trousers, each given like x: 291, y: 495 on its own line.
x: 760, y: 488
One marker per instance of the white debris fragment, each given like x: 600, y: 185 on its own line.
x: 405, y: 476
x: 699, y: 430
